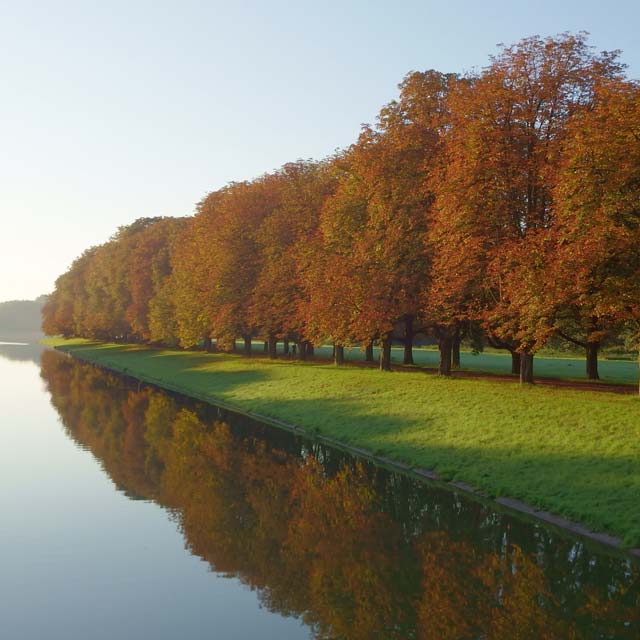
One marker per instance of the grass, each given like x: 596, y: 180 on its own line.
x: 561, y: 367
x: 575, y: 453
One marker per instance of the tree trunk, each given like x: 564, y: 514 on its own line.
x: 444, y: 345
x: 408, y: 340
x: 285, y: 348
x: 273, y: 345
x: 247, y: 344
x: 515, y: 363
x: 338, y: 357
x: 592, y: 360
x: 302, y: 351
x: 385, y: 353
x: 526, y: 368
x: 309, y: 349
x: 368, y: 352
x: 455, y: 349
x: 208, y: 344
x: 266, y: 346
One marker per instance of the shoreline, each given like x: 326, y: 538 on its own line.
x: 499, y: 502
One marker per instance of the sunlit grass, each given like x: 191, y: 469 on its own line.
x: 576, y: 453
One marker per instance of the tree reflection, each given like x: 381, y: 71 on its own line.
x: 353, y: 550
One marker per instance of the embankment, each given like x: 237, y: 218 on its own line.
x: 571, y: 453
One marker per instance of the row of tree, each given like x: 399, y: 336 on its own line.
x: 501, y: 206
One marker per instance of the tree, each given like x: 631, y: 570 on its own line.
x: 282, y: 238
x: 236, y: 252
x: 502, y: 152
x: 192, y: 283
x: 148, y: 267
x: 598, y: 210
x: 373, y: 227
x: 329, y: 306
x: 62, y: 311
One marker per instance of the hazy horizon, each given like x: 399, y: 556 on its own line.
x: 118, y: 112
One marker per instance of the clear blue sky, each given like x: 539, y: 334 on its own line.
x: 110, y: 111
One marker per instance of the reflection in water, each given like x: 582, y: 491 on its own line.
x: 20, y: 348
x: 353, y: 550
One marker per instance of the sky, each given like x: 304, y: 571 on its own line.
x: 111, y: 111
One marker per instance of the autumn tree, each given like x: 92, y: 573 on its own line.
x: 190, y: 290
x: 63, y: 310
x: 503, y: 150
x: 283, y: 236
x: 372, y: 228
x: 148, y: 267
x: 598, y: 211
x: 327, y: 270
x: 108, y: 308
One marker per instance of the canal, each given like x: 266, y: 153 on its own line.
x: 129, y: 512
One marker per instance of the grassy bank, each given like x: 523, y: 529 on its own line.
x: 575, y: 453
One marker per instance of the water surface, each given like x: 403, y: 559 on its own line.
x: 128, y: 512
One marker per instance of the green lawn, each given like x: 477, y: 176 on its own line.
x: 575, y: 453
x: 569, y: 368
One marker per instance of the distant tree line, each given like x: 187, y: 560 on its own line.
x: 500, y: 207
x: 21, y: 316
